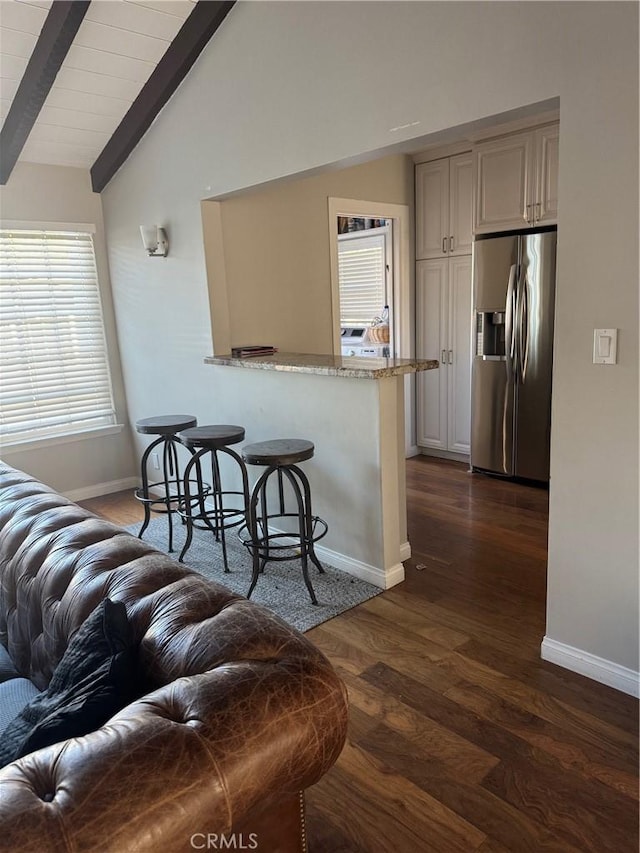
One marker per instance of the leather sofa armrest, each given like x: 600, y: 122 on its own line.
x: 193, y: 756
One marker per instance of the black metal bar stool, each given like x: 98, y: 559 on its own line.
x: 212, y: 439
x: 169, y: 490
x: 281, y: 457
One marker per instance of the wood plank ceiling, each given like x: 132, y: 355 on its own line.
x: 117, y: 48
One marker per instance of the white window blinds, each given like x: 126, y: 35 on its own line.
x: 54, y: 373
x: 362, y: 277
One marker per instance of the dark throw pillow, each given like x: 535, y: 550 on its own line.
x: 95, y: 678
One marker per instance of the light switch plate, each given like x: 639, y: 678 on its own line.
x: 605, y: 346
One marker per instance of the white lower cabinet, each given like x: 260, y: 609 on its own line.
x: 443, y: 332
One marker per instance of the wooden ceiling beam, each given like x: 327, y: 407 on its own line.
x: 183, y: 51
x: 55, y: 39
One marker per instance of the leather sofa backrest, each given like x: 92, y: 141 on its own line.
x: 58, y: 561
x: 238, y: 712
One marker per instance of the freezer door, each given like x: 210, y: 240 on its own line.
x: 492, y: 260
x: 492, y: 416
x: 534, y: 340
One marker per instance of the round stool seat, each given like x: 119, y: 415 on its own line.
x: 164, y: 495
x: 212, y: 435
x: 267, y: 534
x: 165, y: 424
x: 279, y: 451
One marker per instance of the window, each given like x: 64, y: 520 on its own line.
x: 362, y: 274
x: 54, y: 372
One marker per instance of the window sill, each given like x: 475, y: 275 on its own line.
x: 52, y: 440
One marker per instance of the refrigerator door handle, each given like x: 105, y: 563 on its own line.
x: 523, y: 322
x: 523, y: 327
x: 510, y: 342
x: 517, y: 328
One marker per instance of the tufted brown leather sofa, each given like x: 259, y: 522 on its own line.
x: 241, y: 713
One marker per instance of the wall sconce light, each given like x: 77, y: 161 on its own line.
x: 155, y: 240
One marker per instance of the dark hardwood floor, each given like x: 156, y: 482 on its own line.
x: 461, y: 738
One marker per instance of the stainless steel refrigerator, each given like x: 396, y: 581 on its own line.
x: 514, y: 294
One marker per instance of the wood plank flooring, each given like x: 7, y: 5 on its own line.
x: 461, y: 738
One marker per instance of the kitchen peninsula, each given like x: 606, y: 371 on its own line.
x: 352, y: 409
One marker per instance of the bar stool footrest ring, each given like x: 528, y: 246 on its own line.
x: 265, y: 546
x: 167, y: 499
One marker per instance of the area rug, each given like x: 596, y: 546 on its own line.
x: 280, y: 588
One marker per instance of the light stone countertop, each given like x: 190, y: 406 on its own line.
x: 350, y: 367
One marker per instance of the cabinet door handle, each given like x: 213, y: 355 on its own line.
x: 444, y: 245
x: 443, y: 359
x: 451, y: 243
x: 450, y: 356
x: 528, y: 216
x: 539, y: 206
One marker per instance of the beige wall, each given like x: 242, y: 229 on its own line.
x: 287, y: 87
x: 276, y: 253
x: 54, y: 194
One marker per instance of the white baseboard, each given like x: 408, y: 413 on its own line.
x: 444, y: 454
x: 411, y: 451
x: 364, y: 571
x: 99, y: 489
x: 405, y: 552
x: 599, y: 669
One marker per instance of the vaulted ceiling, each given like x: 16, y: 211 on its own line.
x: 81, y: 82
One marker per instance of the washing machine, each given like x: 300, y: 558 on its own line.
x: 352, y: 343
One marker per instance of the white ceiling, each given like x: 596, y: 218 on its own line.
x: 117, y: 47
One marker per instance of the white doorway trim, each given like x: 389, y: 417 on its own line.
x: 401, y: 310
x: 402, y: 266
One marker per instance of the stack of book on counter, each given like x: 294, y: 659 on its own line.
x: 252, y: 350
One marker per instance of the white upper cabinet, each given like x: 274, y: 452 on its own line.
x: 502, y: 182
x: 547, y: 144
x: 516, y: 180
x: 444, y: 207
x: 460, y: 204
x: 432, y: 209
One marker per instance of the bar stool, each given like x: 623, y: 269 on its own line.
x: 212, y: 439
x: 165, y: 427
x: 281, y: 457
